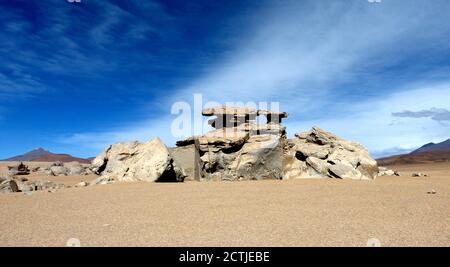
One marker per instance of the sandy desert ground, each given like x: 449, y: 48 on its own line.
x: 398, y: 211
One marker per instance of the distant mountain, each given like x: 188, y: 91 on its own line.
x: 427, y: 153
x: 434, y: 147
x: 41, y: 154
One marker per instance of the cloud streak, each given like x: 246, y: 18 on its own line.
x: 437, y: 114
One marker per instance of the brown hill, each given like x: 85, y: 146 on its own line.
x: 416, y: 157
x: 427, y: 153
x: 41, y: 154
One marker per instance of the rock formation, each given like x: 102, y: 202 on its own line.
x: 134, y: 161
x: 237, y: 149
x: 241, y: 149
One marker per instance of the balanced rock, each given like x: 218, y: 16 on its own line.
x: 239, y: 148
x: 134, y: 161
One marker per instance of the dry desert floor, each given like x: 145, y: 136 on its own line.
x: 397, y: 211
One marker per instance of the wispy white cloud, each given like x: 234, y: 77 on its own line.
x: 304, y: 55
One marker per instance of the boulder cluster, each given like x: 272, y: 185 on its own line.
x: 59, y: 168
x: 237, y: 149
x: 15, y: 180
x: 10, y: 184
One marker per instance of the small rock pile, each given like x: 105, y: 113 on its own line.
x: 20, y: 169
x: 383, y: 171
x: 419, y: 174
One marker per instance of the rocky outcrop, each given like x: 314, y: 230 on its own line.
x: 327, y: 155
x: 240, y: 149
x: 134, y: 161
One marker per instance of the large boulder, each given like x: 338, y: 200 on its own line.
x: 57, y: 171
x: 76, y: 169
x: 327, y: 155
x: 134, y: 161
x: 9, y: 186
x: 188, y: 157
x: 259, y: 157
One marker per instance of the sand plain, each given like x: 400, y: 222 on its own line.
x: 397, y: 211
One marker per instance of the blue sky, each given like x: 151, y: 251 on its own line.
x: 75, y: 77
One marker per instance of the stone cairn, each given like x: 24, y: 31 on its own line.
x: 20, y: 169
